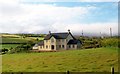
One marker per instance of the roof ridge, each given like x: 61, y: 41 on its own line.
x: 59, y: 33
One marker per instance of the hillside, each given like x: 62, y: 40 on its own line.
x: 85, y: 60
x: 13, y: 40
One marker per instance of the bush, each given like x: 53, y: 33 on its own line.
x: 22, y: 48
x: 110, y: 42
x: 3, y: 51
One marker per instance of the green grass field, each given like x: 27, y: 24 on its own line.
x: 8, y: 46
x: 11, y: 40
x: 88, y: 60
x: 14, y: 40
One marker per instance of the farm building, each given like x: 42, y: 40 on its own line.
x: 56, y: 41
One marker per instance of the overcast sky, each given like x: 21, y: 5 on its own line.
x: 36, y: 16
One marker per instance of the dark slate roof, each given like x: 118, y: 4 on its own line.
x: 57, y: 35
x: 41, y: 43
x: 73, y: 41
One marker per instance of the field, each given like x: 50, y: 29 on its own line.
x: 8, y: 46
x: 85, y: 60
x: 12, y: 40
x: 18, y: 40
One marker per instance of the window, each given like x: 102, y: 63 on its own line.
x: 69, y: 46
x: 59, y: 46
x: 62, y: 46
x: 46, y: 41
x: 46, y: 46
x: 41, y: 47
x: 73, y: 46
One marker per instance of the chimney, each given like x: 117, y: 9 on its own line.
x: 68, y: 30
x: 49, y: 32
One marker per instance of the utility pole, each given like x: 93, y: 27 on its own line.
x: 82, y: 32
x: 100, y: 35
x: 110, y: 32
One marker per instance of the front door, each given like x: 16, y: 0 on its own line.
x: 52, y: 46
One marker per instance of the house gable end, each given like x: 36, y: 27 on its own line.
x: 70, y: 36
x: 52, y: 37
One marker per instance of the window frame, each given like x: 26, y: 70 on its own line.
x: 46, y: 46
x: 63, y: 46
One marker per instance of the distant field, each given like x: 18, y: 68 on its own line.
x: 19, y: 40
x: 11, y: 40
x: 14, y: 40
x: 10, y: 35
x: 88, y: 60
x: 8, y: 46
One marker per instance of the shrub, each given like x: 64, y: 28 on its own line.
x: 109, y: 42
x: 4, y: 50
x: 23, y: 47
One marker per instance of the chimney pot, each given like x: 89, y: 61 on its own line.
x: 68, y: 30
x: 49, y: 32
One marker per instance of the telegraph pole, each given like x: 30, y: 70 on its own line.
x: 82, y: 32
x: 110, y: 32
x: 100, y: 35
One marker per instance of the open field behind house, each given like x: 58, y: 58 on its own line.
x: 84, y: 60
x: 9, y: 46
x: 12, y: 40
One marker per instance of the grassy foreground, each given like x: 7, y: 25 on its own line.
x: 88, y: 60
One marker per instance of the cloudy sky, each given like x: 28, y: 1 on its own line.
x: 36, y: 16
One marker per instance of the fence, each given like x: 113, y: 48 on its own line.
x: 67, y: 72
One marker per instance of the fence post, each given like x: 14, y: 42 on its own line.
x: 112, y: 70
x: 68, y: 72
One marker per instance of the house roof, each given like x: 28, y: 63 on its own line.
x: 58, y: 35
x: 41, y: 43
x: 73, y: 41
